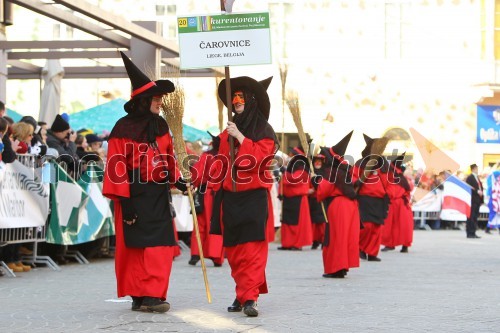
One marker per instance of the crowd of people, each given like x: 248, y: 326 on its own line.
x: 351, y: 211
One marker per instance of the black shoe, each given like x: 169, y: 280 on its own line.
x: 194, y: 260
x: 487, y: 231
x: 250, y: 309
x: 362, y: 255
x: 404, y: 249
x: 284, y: 248
x: 235, y: 307
x: 473, y: 236
x: 216, y: 264
x: 374, y: 258
x: 337, y: 275
x: 295, y: 249
x: 315, y: 245
x: 154, y: 304
x: 388, y: 248
x: 136, y: 303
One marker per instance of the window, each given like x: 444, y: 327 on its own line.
x: 160, y: 10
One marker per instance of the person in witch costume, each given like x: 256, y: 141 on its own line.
x: 296, y: 229
x: 340, y: 247
x: 242, y: 216
x: 212, y: 244
x: 373, y: 201
x: 316, y: 212
x: 140, y: 169
x: 398, y: 225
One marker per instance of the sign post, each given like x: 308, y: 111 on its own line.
x: 224, y: 40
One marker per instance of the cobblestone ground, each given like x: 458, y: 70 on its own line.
x: 447, y: 283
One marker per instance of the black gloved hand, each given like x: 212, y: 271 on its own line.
x: 316, y: 180
x: 181, y: 185
x: 128, y: 210
x: 280, y: 197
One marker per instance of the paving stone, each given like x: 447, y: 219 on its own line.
x: 446, y: 283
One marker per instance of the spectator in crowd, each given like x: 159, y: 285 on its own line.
x: 10, y: 253
x: 4, y: 125
x: 3, y: 110
x: 37, y: 146
x: 81, y: 146
x: 62, y: 138
x: 9, y: 148
x: 95, y: 145
x: 84, y: 153
x: 476, y: 201
x: 23, y: 133
x: 43, y: 131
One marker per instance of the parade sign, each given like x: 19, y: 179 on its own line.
x: 224, y: 40
x: 488, y: 124
x: 24, y: 199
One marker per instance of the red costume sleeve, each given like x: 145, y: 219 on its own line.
x: 258, y: 150
x: 325, y: 189
x: 116, y: 182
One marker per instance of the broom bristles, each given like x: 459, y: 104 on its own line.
x: 292, y: 100
x: 173, y: 110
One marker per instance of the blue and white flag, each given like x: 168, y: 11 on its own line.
x: 493, y: 192
x: 456, y: 196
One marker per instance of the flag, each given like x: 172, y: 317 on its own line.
x: 79, y: 211
x: 456, y: 196
x: 493, y: 193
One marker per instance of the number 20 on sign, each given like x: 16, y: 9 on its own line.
x: 183, y: 22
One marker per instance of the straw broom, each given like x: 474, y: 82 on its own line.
x: 173, y: 110
x: 292, y: 100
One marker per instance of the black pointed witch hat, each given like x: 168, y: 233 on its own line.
x: 259, y: 88
x: 215, y: 141
x: 398, y: 161
x: 369, y: 143
x: 337, y: 150
x: 143, y: 86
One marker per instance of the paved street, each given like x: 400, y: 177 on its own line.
x: 447, y: 283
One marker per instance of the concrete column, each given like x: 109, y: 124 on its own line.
x: 144, y: 55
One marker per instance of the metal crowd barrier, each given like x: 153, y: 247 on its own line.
x: 421, y: 217
x: 27, y: 235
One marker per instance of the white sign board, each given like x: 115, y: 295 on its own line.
x: 24, y: 199
x: 224, y: 40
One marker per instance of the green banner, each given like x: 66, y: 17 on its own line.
x: 226, y: 22
x: 79, y: 211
